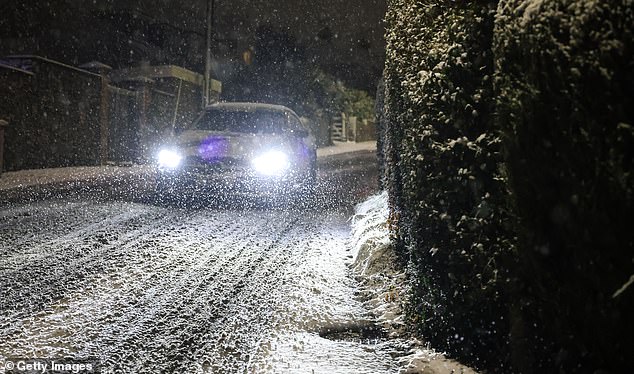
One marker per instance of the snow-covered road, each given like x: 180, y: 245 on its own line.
x: 148, y: 288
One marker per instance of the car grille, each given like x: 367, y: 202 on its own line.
x: 197, y: 164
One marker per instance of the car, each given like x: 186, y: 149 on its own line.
x: 239, y: 148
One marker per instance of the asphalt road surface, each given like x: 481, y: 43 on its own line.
x: 143, y: 287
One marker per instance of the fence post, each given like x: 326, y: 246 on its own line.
x: 3, y: 124
x: 104, y: 111
x: 143, y: 101
x: 104, y: 107
x: 352, y: 120
x: 344, y: 127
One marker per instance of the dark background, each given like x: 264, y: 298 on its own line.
x: 344, y: 38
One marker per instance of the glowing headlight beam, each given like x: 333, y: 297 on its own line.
x: 271, y: 163
x: 169, y: 159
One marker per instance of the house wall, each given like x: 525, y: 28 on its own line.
x: 53, y: 111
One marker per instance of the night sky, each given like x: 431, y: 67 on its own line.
x: 343, y: 37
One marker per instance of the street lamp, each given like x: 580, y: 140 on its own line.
x: 211, y: 4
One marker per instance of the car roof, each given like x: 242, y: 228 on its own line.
x: 247, y: 106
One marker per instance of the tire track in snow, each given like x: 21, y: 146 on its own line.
x: 190, y: 328
x: 172, y: 290
x: 66, y: 265
x: 196, y: 265
x: 246, y: 318
x: 23, y: 226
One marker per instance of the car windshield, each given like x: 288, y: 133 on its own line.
x: 259, y: 121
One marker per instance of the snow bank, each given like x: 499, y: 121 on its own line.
x: 384, y: 286
x: 68, y: 175
x: 132, y: 181
x: 345, y: 147
x: 370, y: 236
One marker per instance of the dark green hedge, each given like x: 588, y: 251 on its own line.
x: 565, y: 84
x: 507, y: 139
x: 444, y: 175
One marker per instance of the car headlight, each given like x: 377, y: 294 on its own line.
x: 169, y: 159
x: 271, y: 163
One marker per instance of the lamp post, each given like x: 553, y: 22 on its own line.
x: 211, y: 4
x: 3, y: 123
